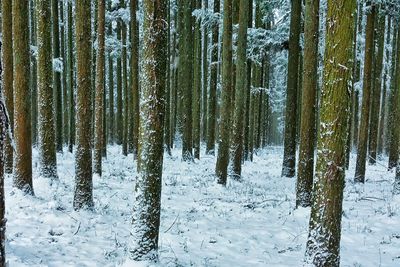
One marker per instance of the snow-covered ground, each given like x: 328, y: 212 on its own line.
x: 248, y: 223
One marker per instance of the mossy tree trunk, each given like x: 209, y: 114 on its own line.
x: 47, y: 142
x: 22, y: 103
x: 221, y: 169
x: 240, y: 92
x: 305, y: 172
x: 289, y: 157
x: 323, y: 243
x: 83, y: 197
x: 396, y: 189
x: 366, y: 100
x: 147, y: 205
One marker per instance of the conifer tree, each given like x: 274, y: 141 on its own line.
x: 7, y: 85
x: 323, y: 245
x: 22, y: 103
x: 289, y: 157
x: 83, y: 196
x: 367, y: 88
x: 135, y: 74
x: 147, y: 204
x: 307, y: 130
x: 212, y: 96
x: 221, y: 169
x: 100, y: 87
x: 240, y: 91
x: 47, y: 142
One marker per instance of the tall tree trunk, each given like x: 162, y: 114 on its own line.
x: 205, y: 74
x: 57, y: 76
x: 394, y: 99
x: 185, y: 77
x: 323, y: 243
x: 33, y: 77
x: 7, y: 65
x: 197, y: 87
x: 83, y: 197
x: 64, y: 75
x: 221, y: 169
x: 382, y: 133
x: 47, y: 144
x: 135, y: 75
x: 396, y: 189
x: 309, y: 101
x: 119, y: 122
x: 3, y: 130
x: 367, y: 84
x: 71, y: 80
x: 125, y: 98
x: 100, y: 73
x: 248, y: 92
x: 289, y: 157
x: 377, y: 89
x: 240, y: 91
x: 212, y: 97
x: 111, y: 84
x: 147, y: 205
x: 22, y: 101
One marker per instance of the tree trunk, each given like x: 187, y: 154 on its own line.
x: 212, y: 97
x: 33, y: 77
x: 3, y: 130
x: 393, y: 105
x: 185, y: 77
x: 305, y: 171
x: 197, y: 87
x: 377, y: 89
x: 289, y: 157
x: 119, y: 118
x: 135, y: 75
x: 83, y: 197
x: 111, y: 84
x: 7, y: 58
x: 57, y: 76
x: 100, y: 73
x: 22, y: 103
x: 47, y: 142
x: 323, y: 243
x: 396, y: 189
x: 221, y: 169
x: 365, y: 109
x: 240, y: 92
x: 205, y: 74
x: 382, y: 133
x: 147, y: 204
x: 71, y: 80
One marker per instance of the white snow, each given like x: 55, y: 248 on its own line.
x: 249, y: 223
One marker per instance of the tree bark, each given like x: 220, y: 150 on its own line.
x: 47, y: 141
x: 22, y: 100
x: 83, y: 197
x: 366, y: 100
x: 323, y: 245
x: 240, y: 92
x: 221, y: 169
x: 305, y: 171
x: 289, y: 157
x: 147, y: 205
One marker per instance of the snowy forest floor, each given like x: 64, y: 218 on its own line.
x: 248, y: 223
